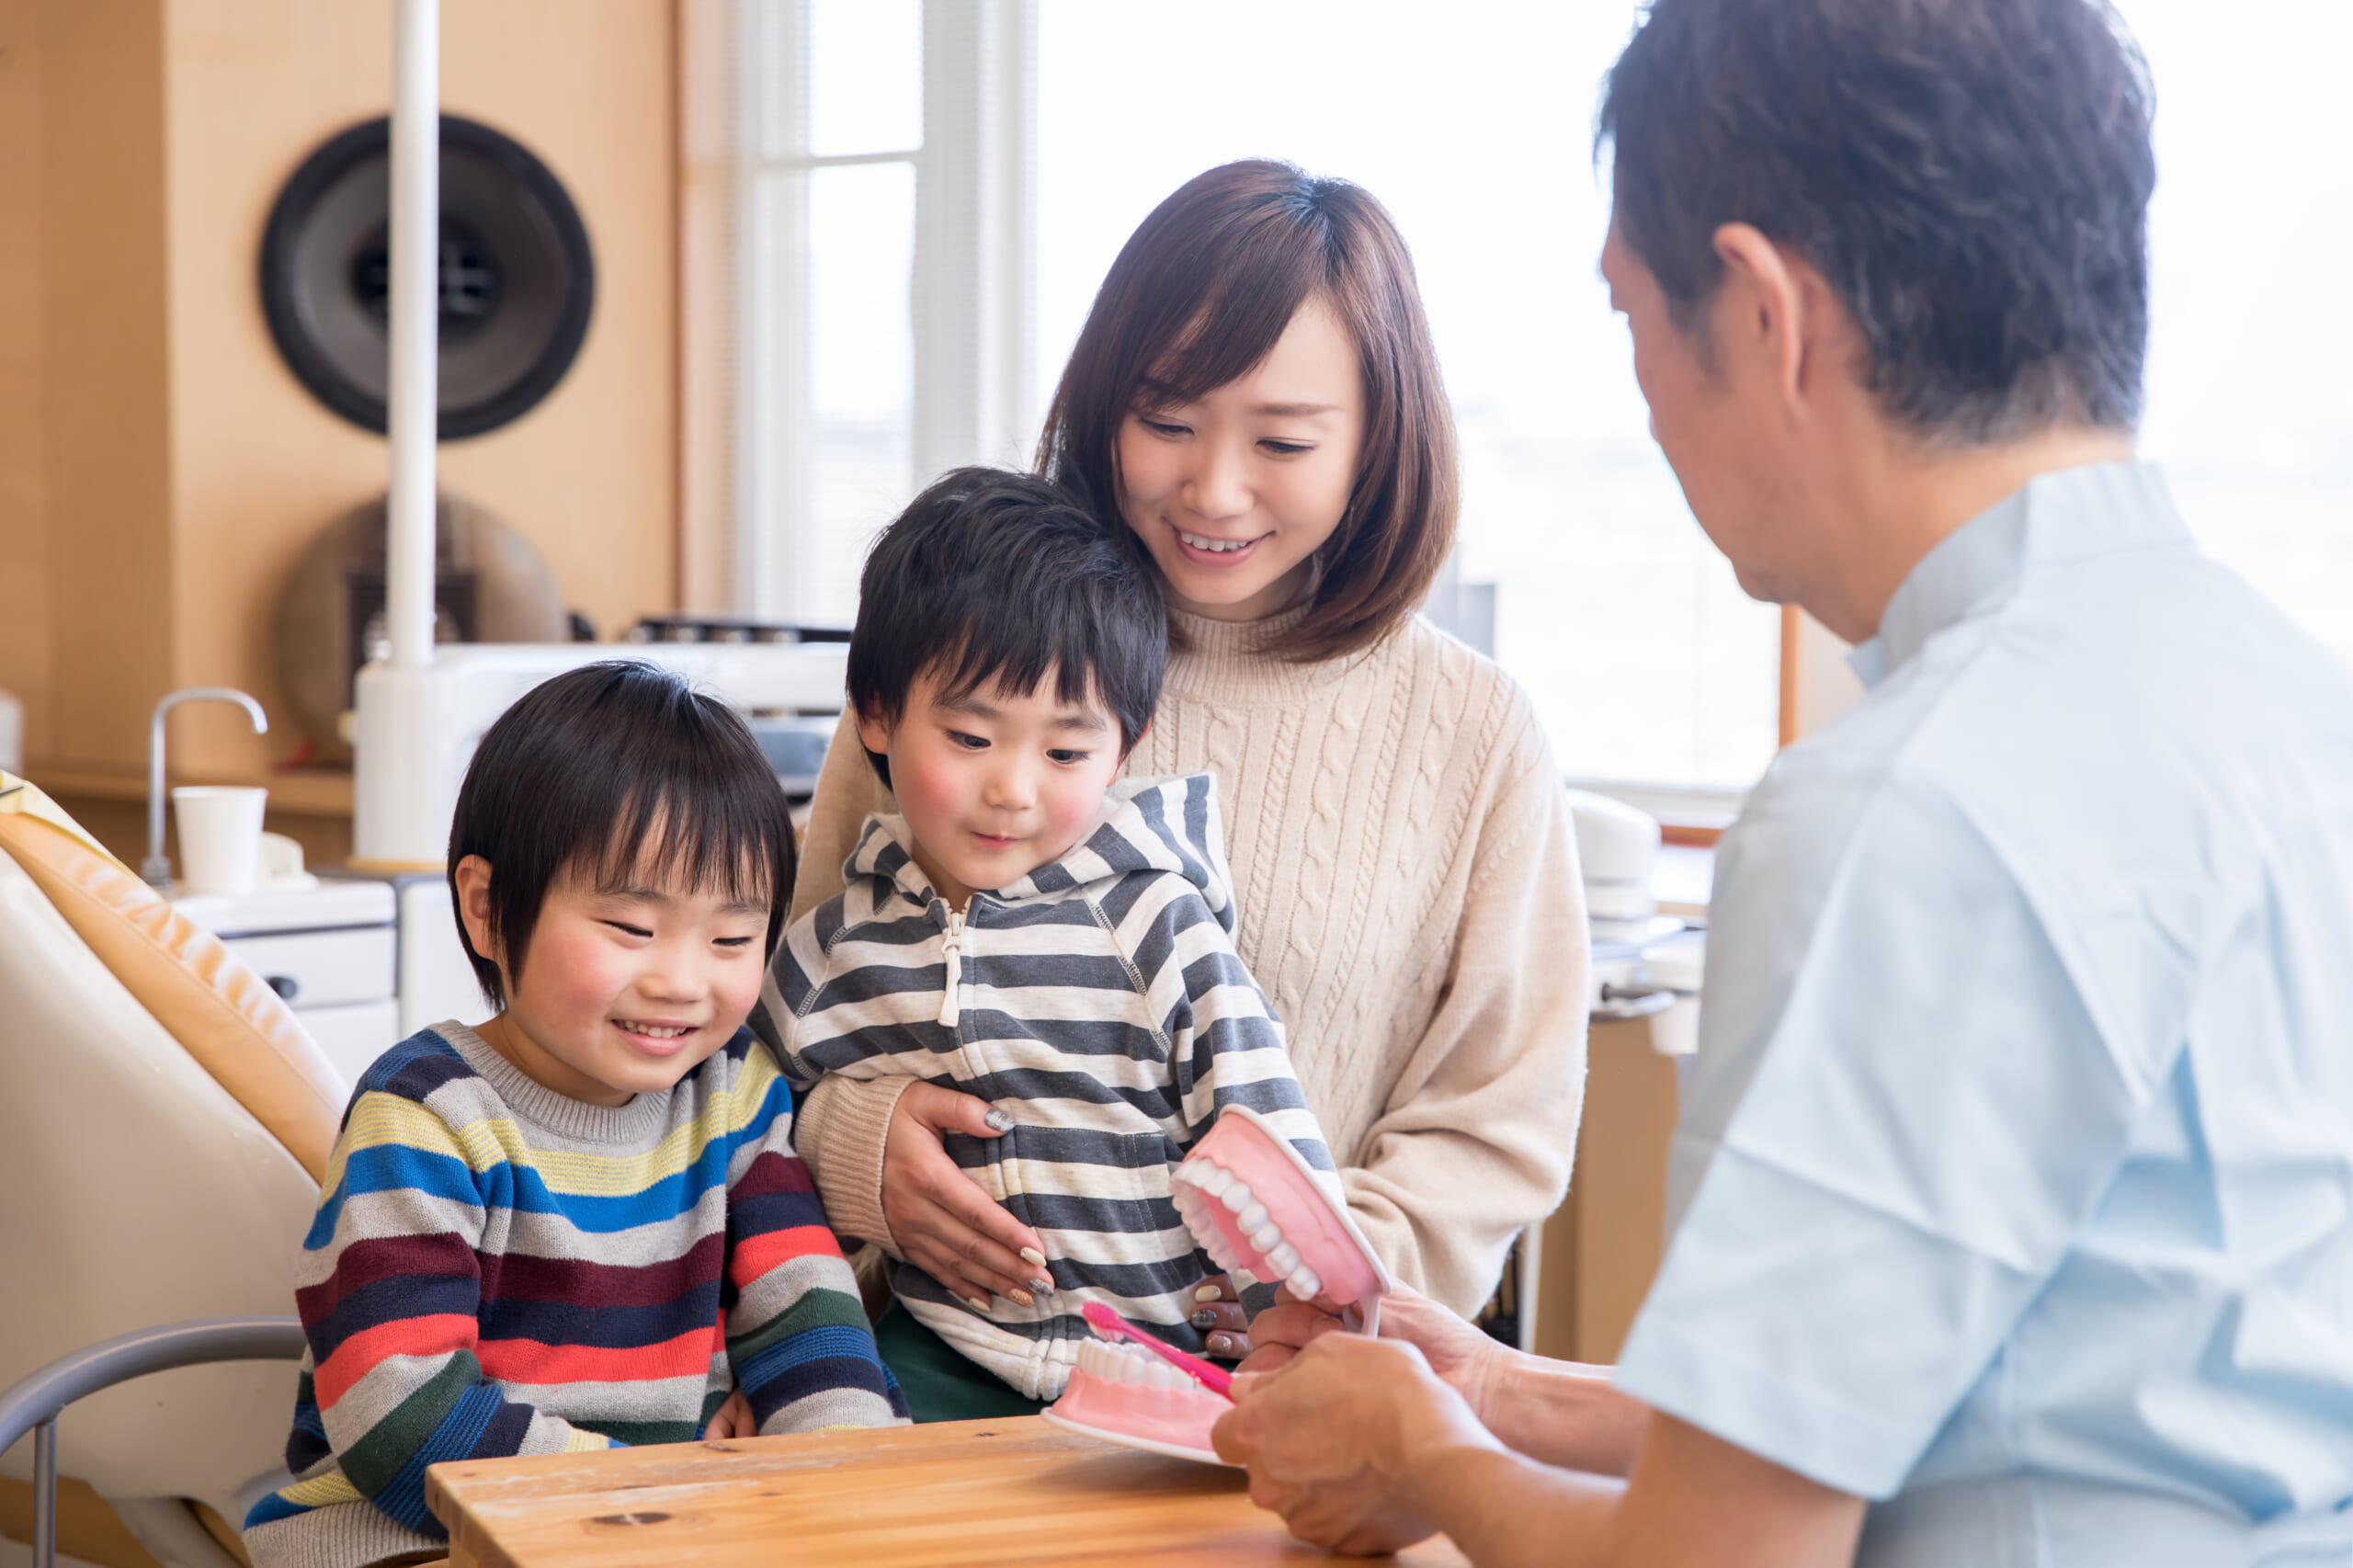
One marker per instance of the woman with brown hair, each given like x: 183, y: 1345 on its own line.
x: 1255, y: 396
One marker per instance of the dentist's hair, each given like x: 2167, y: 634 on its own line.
x: 1198, y: 296
x: 1971, y: 177
x: 618, y: 774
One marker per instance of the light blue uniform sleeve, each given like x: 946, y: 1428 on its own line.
x: 1934, y: 1110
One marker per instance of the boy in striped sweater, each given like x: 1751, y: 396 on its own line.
x: 581, y: 1225
x: 1028, y: 930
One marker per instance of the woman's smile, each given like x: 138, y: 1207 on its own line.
x: 1205, y: 550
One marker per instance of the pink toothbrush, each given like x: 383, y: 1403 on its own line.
x: 1111, y: 1325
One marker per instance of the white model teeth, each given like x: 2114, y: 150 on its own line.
x: 1214, y: 546
x: 1200, y: 1178
x: 1129, y: 1364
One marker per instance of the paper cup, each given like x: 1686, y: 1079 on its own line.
x: 220, y: 836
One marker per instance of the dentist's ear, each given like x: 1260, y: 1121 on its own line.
x: 1776, y: 309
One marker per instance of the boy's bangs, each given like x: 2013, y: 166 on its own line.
x: 618, y: 775
x: 992, y: 651
x: 686, y: 842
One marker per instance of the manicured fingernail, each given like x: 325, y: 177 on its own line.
x: 976, y: 1304
x: 998, y: 1120
x: 1032, y: 1256
x: 1044, y: 1286
x: 1205, y: 1319
x: 1222, y: 1344
x: 1024, y: 1297
x: 1208, y: 1292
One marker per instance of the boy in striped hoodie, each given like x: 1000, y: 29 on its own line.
x: 1029, y: 930
x: 581, y: 1225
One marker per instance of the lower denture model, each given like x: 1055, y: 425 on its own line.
x: 1127, y: 1395
x: 1254, y: 1206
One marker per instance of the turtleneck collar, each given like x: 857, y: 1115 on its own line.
x: 1223, y: 661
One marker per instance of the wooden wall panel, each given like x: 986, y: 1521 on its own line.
x: 589, y: 476
x: 160, y: 468
x: 24, y: 543
x: 107, y: 491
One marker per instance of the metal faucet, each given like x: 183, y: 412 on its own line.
x: 156, y: 869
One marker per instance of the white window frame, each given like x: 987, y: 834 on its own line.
x: 972, y: 293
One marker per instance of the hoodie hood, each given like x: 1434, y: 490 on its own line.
x: 1146, y: 825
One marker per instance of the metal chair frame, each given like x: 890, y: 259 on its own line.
x: 34, y: 1405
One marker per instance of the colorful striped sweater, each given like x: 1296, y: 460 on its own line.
x: 495, y: 1268
x: 1099, y: 1003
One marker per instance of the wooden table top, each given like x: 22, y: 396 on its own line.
x: 954, y: 1494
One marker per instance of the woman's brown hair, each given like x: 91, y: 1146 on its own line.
x: 1198, y: 296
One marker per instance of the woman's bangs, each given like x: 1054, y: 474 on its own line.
x: 1251, y: 293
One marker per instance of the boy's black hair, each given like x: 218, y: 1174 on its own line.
x: 603, y: 770
x: 1971, y: 177
x: 996, y: 577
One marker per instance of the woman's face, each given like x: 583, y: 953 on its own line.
x: 1233, y: 492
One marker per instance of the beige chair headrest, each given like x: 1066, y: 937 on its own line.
x: 221, y: 1012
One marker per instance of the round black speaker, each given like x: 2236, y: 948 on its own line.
x: 516, y: 279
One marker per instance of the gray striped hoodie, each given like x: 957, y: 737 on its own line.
x: 1099, y: 1004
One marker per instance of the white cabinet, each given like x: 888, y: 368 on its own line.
x: 330, y: 950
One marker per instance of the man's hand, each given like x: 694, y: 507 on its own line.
x: 1334, y: 1438
x: 941, y: 1219
x: 1463, y: 1355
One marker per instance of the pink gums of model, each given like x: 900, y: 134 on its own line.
x: 1253, y: 1205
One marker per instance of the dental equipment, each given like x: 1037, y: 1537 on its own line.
x: 156, y: 869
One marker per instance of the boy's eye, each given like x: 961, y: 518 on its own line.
x: 970, y: 743
x: 1068, y: 758
x: 732, y: 943
x: 627, y: 929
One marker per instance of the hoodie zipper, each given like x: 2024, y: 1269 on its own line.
x: 950, y: 1008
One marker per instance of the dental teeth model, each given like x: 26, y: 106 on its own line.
x: 1255, y: 1207
x: 1126, y: 1393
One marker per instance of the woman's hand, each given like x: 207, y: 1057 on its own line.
x: 1334, y: 1440
x: 1219, y: 1312
x: 733, y: 1419
x: 941, y: 1219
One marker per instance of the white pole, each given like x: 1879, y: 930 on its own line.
x: 400, y: 820
x: 414, y: 329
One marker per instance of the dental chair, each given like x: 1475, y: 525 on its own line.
x: 164, y: 1123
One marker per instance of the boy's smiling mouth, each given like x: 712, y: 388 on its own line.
x: 658, y: 1038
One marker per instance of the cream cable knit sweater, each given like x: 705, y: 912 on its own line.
x: 1409, y: 898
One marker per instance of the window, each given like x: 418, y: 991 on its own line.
x: 1474, y: 125
x: 2250, y: 409
x: 880, y: 168
x: 915, y: 255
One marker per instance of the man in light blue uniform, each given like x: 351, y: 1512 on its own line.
x: 2011, y: 1210
x: 2016, y: 1182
